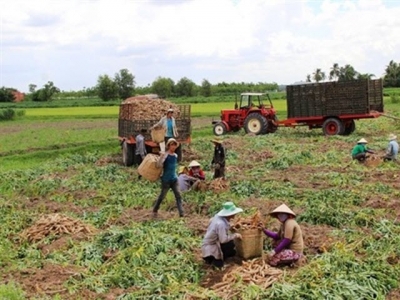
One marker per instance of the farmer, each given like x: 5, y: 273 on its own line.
x: 185, y: 182
x: 288, y: 241
x: 140, y: 151
x: 168, y: 123
x: 360, y: 150
x: 218, y: 243
x: 218, y: 161
x: 392, y: 149
x: 169, y: 180
x: 196, y: 171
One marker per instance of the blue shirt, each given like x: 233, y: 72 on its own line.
x: 170, y: 129
x: 393, y: 149
x: 169, y: 173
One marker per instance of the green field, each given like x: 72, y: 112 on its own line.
x: 66, y: 163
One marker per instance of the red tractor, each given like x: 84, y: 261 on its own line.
x: 250, y: 113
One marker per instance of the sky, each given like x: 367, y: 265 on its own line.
x: 73, y: 42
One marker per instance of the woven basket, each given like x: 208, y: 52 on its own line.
x: 251, y: 244
x: 158, y: 134
x: 148, y: 168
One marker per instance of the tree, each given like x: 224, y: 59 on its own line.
x: 365, y: 76
x: 32, y: 88
x: 318, y: 75
x: 347, y: 73
x: 335, y: 71
x: 106, y: 88
x: 6, y: 95
x: 308, y: 79
x: 163, y: 87
x: 126, y: 83
x: 185, y: 88
x: 46, y: 93
x: 392, y: 75
x: 205, y: 88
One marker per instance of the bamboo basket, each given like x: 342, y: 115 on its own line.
x: 158, y: 134
x: 148, y: 168
x: 251, y: 245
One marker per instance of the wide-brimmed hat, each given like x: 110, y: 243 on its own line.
x: 229, y: 209
x: 172, y: 140
x: 217, y: 140
x: 194, y: 163
x: 362, y: 141
x: 282, y: 209
x: 170, y: 110
x: 182, y: 169
x: 392, y: 137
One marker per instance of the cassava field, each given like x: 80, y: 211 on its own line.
x: 76, y: 224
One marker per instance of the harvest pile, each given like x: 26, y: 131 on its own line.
x: 254, y: 271
x: 244, y: 223
x: 142, y: 108
x: 216, y: 185
x: 373, y: 161
x: 56, y: 225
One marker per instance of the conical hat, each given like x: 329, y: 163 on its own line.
x: 229, y: 209
x: 362, y: 141
x: 392, y: 137
x: 194, y: 163
x: 282, y: 209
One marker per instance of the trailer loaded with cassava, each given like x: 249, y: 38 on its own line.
x: 142, y: 112
x: 332, y: 106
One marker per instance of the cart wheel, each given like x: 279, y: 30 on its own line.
x: 333, y: 126
x: 128, y: 154
x: 349, y: 129
x: 220, y: 129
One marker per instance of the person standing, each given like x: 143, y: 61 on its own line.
x: 169, y: 125
x: 392, y: 149
x: 218, y: 242
x: 360, y: 150
x: 140, y: 151
x: 169, y: 180
x: 289, y: 242
x: 218, y: 161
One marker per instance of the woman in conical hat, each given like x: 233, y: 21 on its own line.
x: 360, y: 150
x: 218, y: 242
x: 196, y: 171
x: 289, y: 242
x: 392, y: 149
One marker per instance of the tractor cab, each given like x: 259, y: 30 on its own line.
x: 253, y: 101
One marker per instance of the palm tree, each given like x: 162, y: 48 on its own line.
x: 335, y: 71
x: 318, y: 75
x: 308, y: 78
x: 347, y: 73
x: 392, y: 76
x: 365, y: 76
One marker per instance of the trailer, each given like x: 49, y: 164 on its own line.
x: 333, y: 106
x: 129, y: 128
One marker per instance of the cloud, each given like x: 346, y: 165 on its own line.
x: 73, y: 42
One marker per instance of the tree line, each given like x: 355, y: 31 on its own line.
x: 123, y: 85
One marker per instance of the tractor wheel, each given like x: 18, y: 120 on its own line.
x: 128, y: 154
x: 349, y: 129
x: 220, y: 129
x: 256, y: 124
x: 333, y: 126
x: 272, y: 127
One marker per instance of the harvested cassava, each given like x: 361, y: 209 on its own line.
x: 216, y: 185
x: 254, y: 271
x: 56, y: 225
x: 251, y: 222
x: 143, y: 108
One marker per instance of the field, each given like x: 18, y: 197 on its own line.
x: 59, y: 165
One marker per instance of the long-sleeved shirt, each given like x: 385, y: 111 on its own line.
x: 359, y: 148
x: 185, y: 182
x: 217, y: 234
x: 200, y: 174
x: 393, y: 149
x: 140, y: 146
x: 219, y: 155
x: 164, y: 121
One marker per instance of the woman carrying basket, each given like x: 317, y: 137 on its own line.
x: 288, y: 241
x: 218, y: 243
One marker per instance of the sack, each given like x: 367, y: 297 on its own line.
x: 158, y: 134
x: 148, y: 168
x: 251, y: 245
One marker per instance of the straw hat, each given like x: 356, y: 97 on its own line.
x: 282, y: 209
x: 392, y: 137
x: 362, y: 141
x: 194, y: 163
x: 170, y: 110
x: 217, y: 140
x: 172, y: 140
x: 229, y: 209
x: 182, y: 169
